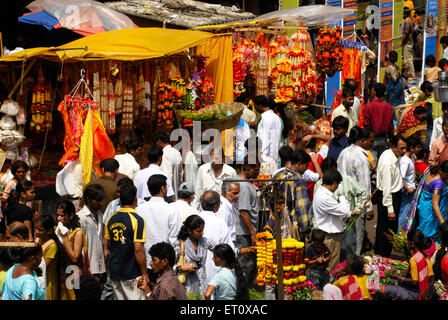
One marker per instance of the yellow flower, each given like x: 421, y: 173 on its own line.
x: 302, y: 279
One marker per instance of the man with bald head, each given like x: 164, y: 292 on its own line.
x: 214, y: 228
x: 228, y: 211
x: 16, y: 232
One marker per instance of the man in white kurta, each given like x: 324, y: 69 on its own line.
x: 171, y: 161
x: 214, y: 228
x: 269, y: 129
x: 228, y: 211
x: 210, y: 177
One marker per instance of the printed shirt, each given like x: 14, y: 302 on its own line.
x: 296, y: 196
x: 168, y: 287
x: 123, y: 229
x: 93, y: 230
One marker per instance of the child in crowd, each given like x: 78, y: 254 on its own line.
x: 19, y: 169
x: 432, y: 71
x: 407, y: 163
x: 317, y: 256
x: 421, y: 163
x: 340, y: 140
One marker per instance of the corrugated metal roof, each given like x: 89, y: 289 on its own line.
x: 186, y: 13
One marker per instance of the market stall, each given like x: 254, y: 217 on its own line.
x: 138, y: 84
x: 288, y: 55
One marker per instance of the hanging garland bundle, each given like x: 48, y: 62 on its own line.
x: 41, y: 111
x: 329, y: 50
x: 127, y: 114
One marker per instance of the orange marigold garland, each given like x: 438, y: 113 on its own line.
x: 329, y: 50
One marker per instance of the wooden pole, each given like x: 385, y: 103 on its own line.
x: 278, y: 243
x: 21, y: 78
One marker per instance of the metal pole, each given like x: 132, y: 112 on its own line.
x: 278, y: 242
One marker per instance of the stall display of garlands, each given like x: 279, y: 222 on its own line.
x: 283, y: 66
x: 150, y: 90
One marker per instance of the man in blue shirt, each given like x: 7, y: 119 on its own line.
x: 340, y: 140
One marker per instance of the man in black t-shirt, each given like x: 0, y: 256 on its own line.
x: 124, y: 245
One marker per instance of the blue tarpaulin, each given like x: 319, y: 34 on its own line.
x: 42, y: 18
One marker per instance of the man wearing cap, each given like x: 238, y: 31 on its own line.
x: 185, y: 196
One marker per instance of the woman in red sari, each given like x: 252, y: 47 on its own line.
x: 413, y: 122
x: 418, y: 284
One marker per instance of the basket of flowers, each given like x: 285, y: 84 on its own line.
x: 219, y: 116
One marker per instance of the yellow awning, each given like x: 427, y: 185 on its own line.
x: 28, y: 53
x: 132, y: 44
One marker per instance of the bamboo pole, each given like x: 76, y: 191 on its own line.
x: 27, y: 244
x: 22, y: 76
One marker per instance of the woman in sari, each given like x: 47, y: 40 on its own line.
x: 74, y: 240
x: 413, y: 122
x: 430, y: 203
x: 196, y: 250
x: 354, y: 286
x: 394, y: 81
x: 418, y: 284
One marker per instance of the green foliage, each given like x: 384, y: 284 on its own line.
x: 400, y: 242
x: 305, y: 116
x: 255, y: 295
x: 194, y: 296
x: 204, y: 115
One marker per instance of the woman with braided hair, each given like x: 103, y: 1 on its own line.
x: 55, y: 259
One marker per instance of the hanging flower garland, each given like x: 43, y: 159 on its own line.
x: 329, y: 50
x: 41, y: 110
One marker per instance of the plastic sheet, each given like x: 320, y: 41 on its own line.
x: 311, y: 16
x: 83, y: 16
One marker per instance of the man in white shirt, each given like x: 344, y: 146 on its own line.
x: 128, y: 164
x: 154, y: 155
x: 268, y: 166
x: 91, y: 220
x: 211, y: 175
x: 352, y: 84
x: 228, y: 211
x: 437, y: 125
x: 389, y: 183
x: 185, y: 196
x: 346, y: 108
x: 162, y: 221
x: 171, y: 161
x: 269, y: 128
x: 444, y: 43
x: 214, y: 229
x: 69, y: 182
x: 329, y: 214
